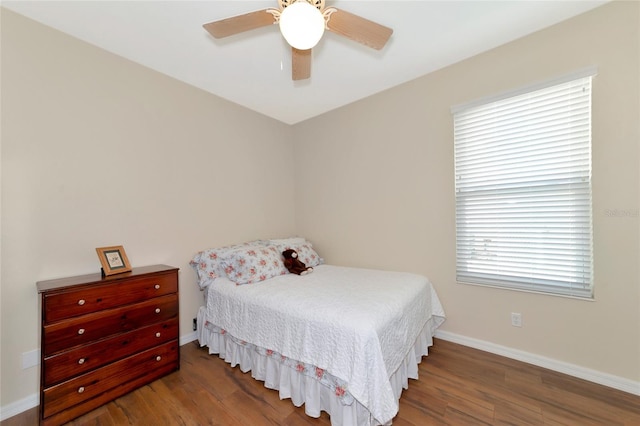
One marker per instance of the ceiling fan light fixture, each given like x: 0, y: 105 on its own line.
x: 302, y: 25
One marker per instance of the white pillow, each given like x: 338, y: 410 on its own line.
x: 286, y: 241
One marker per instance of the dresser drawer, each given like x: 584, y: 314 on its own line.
x: 64, y: 416
x: 87, y: 328
x: 86, y: 358
x: 72, y: 303
x: 87, y: 386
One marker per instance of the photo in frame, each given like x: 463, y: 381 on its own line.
x: 113, y: 260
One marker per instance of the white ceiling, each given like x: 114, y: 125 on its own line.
x: 254, y: 68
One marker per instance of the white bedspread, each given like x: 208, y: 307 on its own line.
x: 357, y: 324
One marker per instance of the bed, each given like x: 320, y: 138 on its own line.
x: 341, y: 340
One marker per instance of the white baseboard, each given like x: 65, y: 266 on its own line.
x: 18, y: 407
x: 188, y: 338
x: 594, y: 376
x: 33, y: 400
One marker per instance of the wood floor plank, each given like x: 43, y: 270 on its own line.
x: 458, y: 386
x: 607, y: 396
x: 416, y: 413
x: 114, y: 415
x: 212, y: 412
x: 416, y: 396
x: 250, y: 410
x: 507, y: 413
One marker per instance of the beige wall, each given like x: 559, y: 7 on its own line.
x: 375, y: 188
x: 99, y: 151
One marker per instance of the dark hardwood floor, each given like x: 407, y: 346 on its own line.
x: 458, y: 386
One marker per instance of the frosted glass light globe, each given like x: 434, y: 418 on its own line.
x: 302, y: 25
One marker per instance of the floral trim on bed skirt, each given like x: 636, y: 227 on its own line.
x: 338, y: 386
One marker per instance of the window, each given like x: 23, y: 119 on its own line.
x: 523, y: 189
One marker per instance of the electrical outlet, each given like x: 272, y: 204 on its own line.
x: 516, y: 319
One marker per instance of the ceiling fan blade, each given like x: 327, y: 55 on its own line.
x: 238, y: 24
x: 359, y: 29
x: 300, y: 64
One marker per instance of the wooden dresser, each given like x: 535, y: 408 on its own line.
x: 103, y: 337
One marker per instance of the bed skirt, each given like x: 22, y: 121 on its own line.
x: 316, y: 395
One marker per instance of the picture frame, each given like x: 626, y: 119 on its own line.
x: 114, y: 260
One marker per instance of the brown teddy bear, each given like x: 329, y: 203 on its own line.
x: 293, y: 264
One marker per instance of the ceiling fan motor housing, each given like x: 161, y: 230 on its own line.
x: 302, y: 25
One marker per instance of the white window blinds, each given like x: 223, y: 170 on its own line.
x: 523, y: 191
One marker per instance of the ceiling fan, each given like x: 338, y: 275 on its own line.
x: 302, y: 24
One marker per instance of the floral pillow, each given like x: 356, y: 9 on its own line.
x: 208, y: 263
x: 251, y: 264
x: 306, y: 253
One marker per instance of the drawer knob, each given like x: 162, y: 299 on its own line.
x: 81, y: 361
x: 81, y: 331
x: 157, y: 310
x: 81, y: 302
x: 158, y: 358
x: 157, y: 286
x: 158, y: 334
x: 81, y: 389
